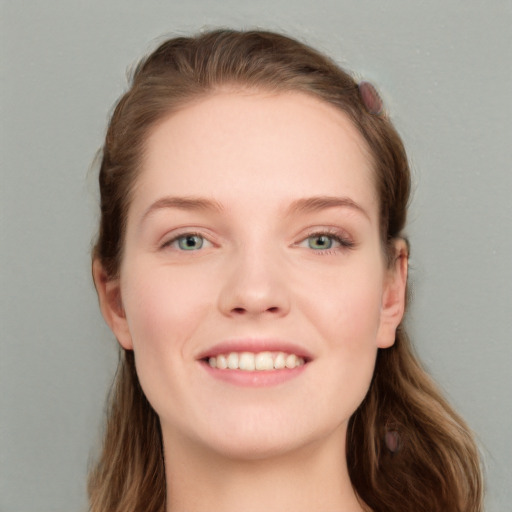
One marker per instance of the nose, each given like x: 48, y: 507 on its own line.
x: 255, y: 285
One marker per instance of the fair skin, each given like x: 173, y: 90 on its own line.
x: 254, y: 228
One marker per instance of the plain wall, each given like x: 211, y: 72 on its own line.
x: 443, y: 68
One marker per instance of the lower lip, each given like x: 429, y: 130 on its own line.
x: 259, y: 378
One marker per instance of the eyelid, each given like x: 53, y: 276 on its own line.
x: 174, y: 236
x: 344, y: 240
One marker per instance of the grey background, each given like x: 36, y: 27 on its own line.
x: 443, y: 68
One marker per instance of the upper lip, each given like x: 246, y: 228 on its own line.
x: 255, y: 345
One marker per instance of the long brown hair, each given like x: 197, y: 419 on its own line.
x: 406, y: 447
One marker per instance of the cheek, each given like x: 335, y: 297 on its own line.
x: 163, y: 310
x: 348, y: 320
x: 348, y: 313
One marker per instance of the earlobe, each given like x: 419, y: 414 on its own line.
x: 394, y: 297
x: 109, y: 295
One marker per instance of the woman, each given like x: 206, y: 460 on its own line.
x: 251, y: 264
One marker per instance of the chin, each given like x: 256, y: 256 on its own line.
x: 261, y: 436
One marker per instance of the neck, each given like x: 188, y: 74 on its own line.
x: 312, y: 478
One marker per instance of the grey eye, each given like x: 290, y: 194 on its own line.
x: 319, y: 242
x: 190, y: 242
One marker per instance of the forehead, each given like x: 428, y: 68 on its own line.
x: 256, y: 146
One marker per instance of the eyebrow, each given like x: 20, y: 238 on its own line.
x: 318, y: 203
x: 182, y: 203
x: 302, y: 205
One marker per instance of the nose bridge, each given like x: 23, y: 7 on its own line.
x: 255, y: 281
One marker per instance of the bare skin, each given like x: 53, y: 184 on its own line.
x: 314, y: 478
x: 254, y: 229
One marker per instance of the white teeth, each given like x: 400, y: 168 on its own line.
x: 291, y: 361
x: 280, y: 361
x: 246, y: 361
x: 264, y: 361
x: 261, y: 361
x: 233, y: 361
x: 221, y: 362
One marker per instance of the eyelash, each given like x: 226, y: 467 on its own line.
x: 344, y: 242
x: 334, y: 235
x: 185, y: 235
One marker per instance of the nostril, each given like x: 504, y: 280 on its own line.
x: 241, y: 311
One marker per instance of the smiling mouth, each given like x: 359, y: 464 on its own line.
x: 260, y: 361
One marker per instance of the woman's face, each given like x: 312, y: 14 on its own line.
x: 253, y: 242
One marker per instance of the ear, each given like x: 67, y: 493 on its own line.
x: 393, y: 296
x: 109, y: 295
